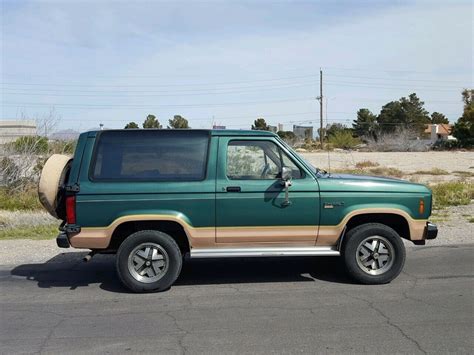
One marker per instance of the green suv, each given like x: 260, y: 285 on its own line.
x: 154, y: 196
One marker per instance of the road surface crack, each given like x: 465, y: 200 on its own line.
x: 390, y: 322
x: 48, y: 337
x: 181, y: 330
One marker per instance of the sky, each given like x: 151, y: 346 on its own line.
x: 230, y: 62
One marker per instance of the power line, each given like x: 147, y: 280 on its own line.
x: 148, y: 93
x: 72, y: 105
x: 391, y: 79
x: 390, y: 70
x: 162, y: 85
x: 387, y: 87
x: 282, y: 85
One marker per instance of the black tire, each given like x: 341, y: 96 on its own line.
x: 390, y: 250
x: 166, y: 249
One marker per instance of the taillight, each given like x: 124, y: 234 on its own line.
x: 71, y: 209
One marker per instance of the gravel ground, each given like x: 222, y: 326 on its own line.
x: 14, y: 219
x: 453, y: 224
x: 404, y: 161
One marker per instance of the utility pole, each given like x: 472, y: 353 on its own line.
x: 320, y: 99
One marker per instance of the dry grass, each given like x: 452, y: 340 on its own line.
x: 19, y: 200
x: 434, y: 171
x: 383, y: 171
x: 35, y: 232
x: 366, y: 164
x: 463, y: 173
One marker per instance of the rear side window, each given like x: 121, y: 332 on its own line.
x: 151, y: 155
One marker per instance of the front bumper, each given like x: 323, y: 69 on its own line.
x: 431, y: 231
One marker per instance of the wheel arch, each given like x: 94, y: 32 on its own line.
x: 174, y: 228
x: 394, y: 220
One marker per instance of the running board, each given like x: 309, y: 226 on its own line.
x: 264, y: 251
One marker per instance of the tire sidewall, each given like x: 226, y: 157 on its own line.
x: 356, y: 236
x: 149, y: 236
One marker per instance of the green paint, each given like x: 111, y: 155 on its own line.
x: 260, y: 202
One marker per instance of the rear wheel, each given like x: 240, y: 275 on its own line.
x: 373, y: 253
x: 148, y: 261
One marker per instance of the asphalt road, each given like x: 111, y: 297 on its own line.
x: 276, y: 305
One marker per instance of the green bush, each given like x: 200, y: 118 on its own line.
x: 31, y: 144
x: 343, y: 140
x: 452, y: 194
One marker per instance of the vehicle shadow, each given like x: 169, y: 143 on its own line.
x: 69, y: 271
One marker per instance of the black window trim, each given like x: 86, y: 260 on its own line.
x: 93, y: 162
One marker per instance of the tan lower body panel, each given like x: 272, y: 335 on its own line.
x: 99, y: 238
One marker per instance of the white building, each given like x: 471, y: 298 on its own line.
x: 11, y: 130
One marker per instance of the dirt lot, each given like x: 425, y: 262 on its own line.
x: 409, y: 162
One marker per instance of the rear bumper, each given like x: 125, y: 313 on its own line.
x: 65, y: 230
x: 62, y: 240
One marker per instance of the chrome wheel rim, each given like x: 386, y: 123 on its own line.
x: 148, y: 262
x: 375, y: 255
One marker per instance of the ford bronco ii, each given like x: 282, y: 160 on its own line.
x: 153, y: 196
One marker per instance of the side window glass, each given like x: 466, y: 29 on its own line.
x: 257, y: 160
x: 297, y: 174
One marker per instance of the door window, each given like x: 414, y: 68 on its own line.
x: 257, y: 160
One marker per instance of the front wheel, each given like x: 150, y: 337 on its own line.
x: 148, y: 261
x: 373, y: 253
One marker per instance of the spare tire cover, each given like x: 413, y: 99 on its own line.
x: 52, y: 177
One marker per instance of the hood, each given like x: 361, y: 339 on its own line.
x: 349, y: 182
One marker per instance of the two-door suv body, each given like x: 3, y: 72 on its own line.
x: 154, y: 196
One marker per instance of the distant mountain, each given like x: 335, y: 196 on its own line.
x: 65, y: 135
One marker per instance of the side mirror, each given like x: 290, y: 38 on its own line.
x: 286, y: 173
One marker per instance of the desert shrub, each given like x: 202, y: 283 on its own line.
x: 62, y: 147
x: 400, y: 140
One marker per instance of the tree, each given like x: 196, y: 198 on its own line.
x: 438, y: 118
x: 406, y: 113
x: 463, y: 129
x: 178, y: 122
x: 131, y: 125
x: 334, y: 128
x: 366, y: 124
x: 288, y: 136
x: 151, y: 122
x: 260, y: 125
